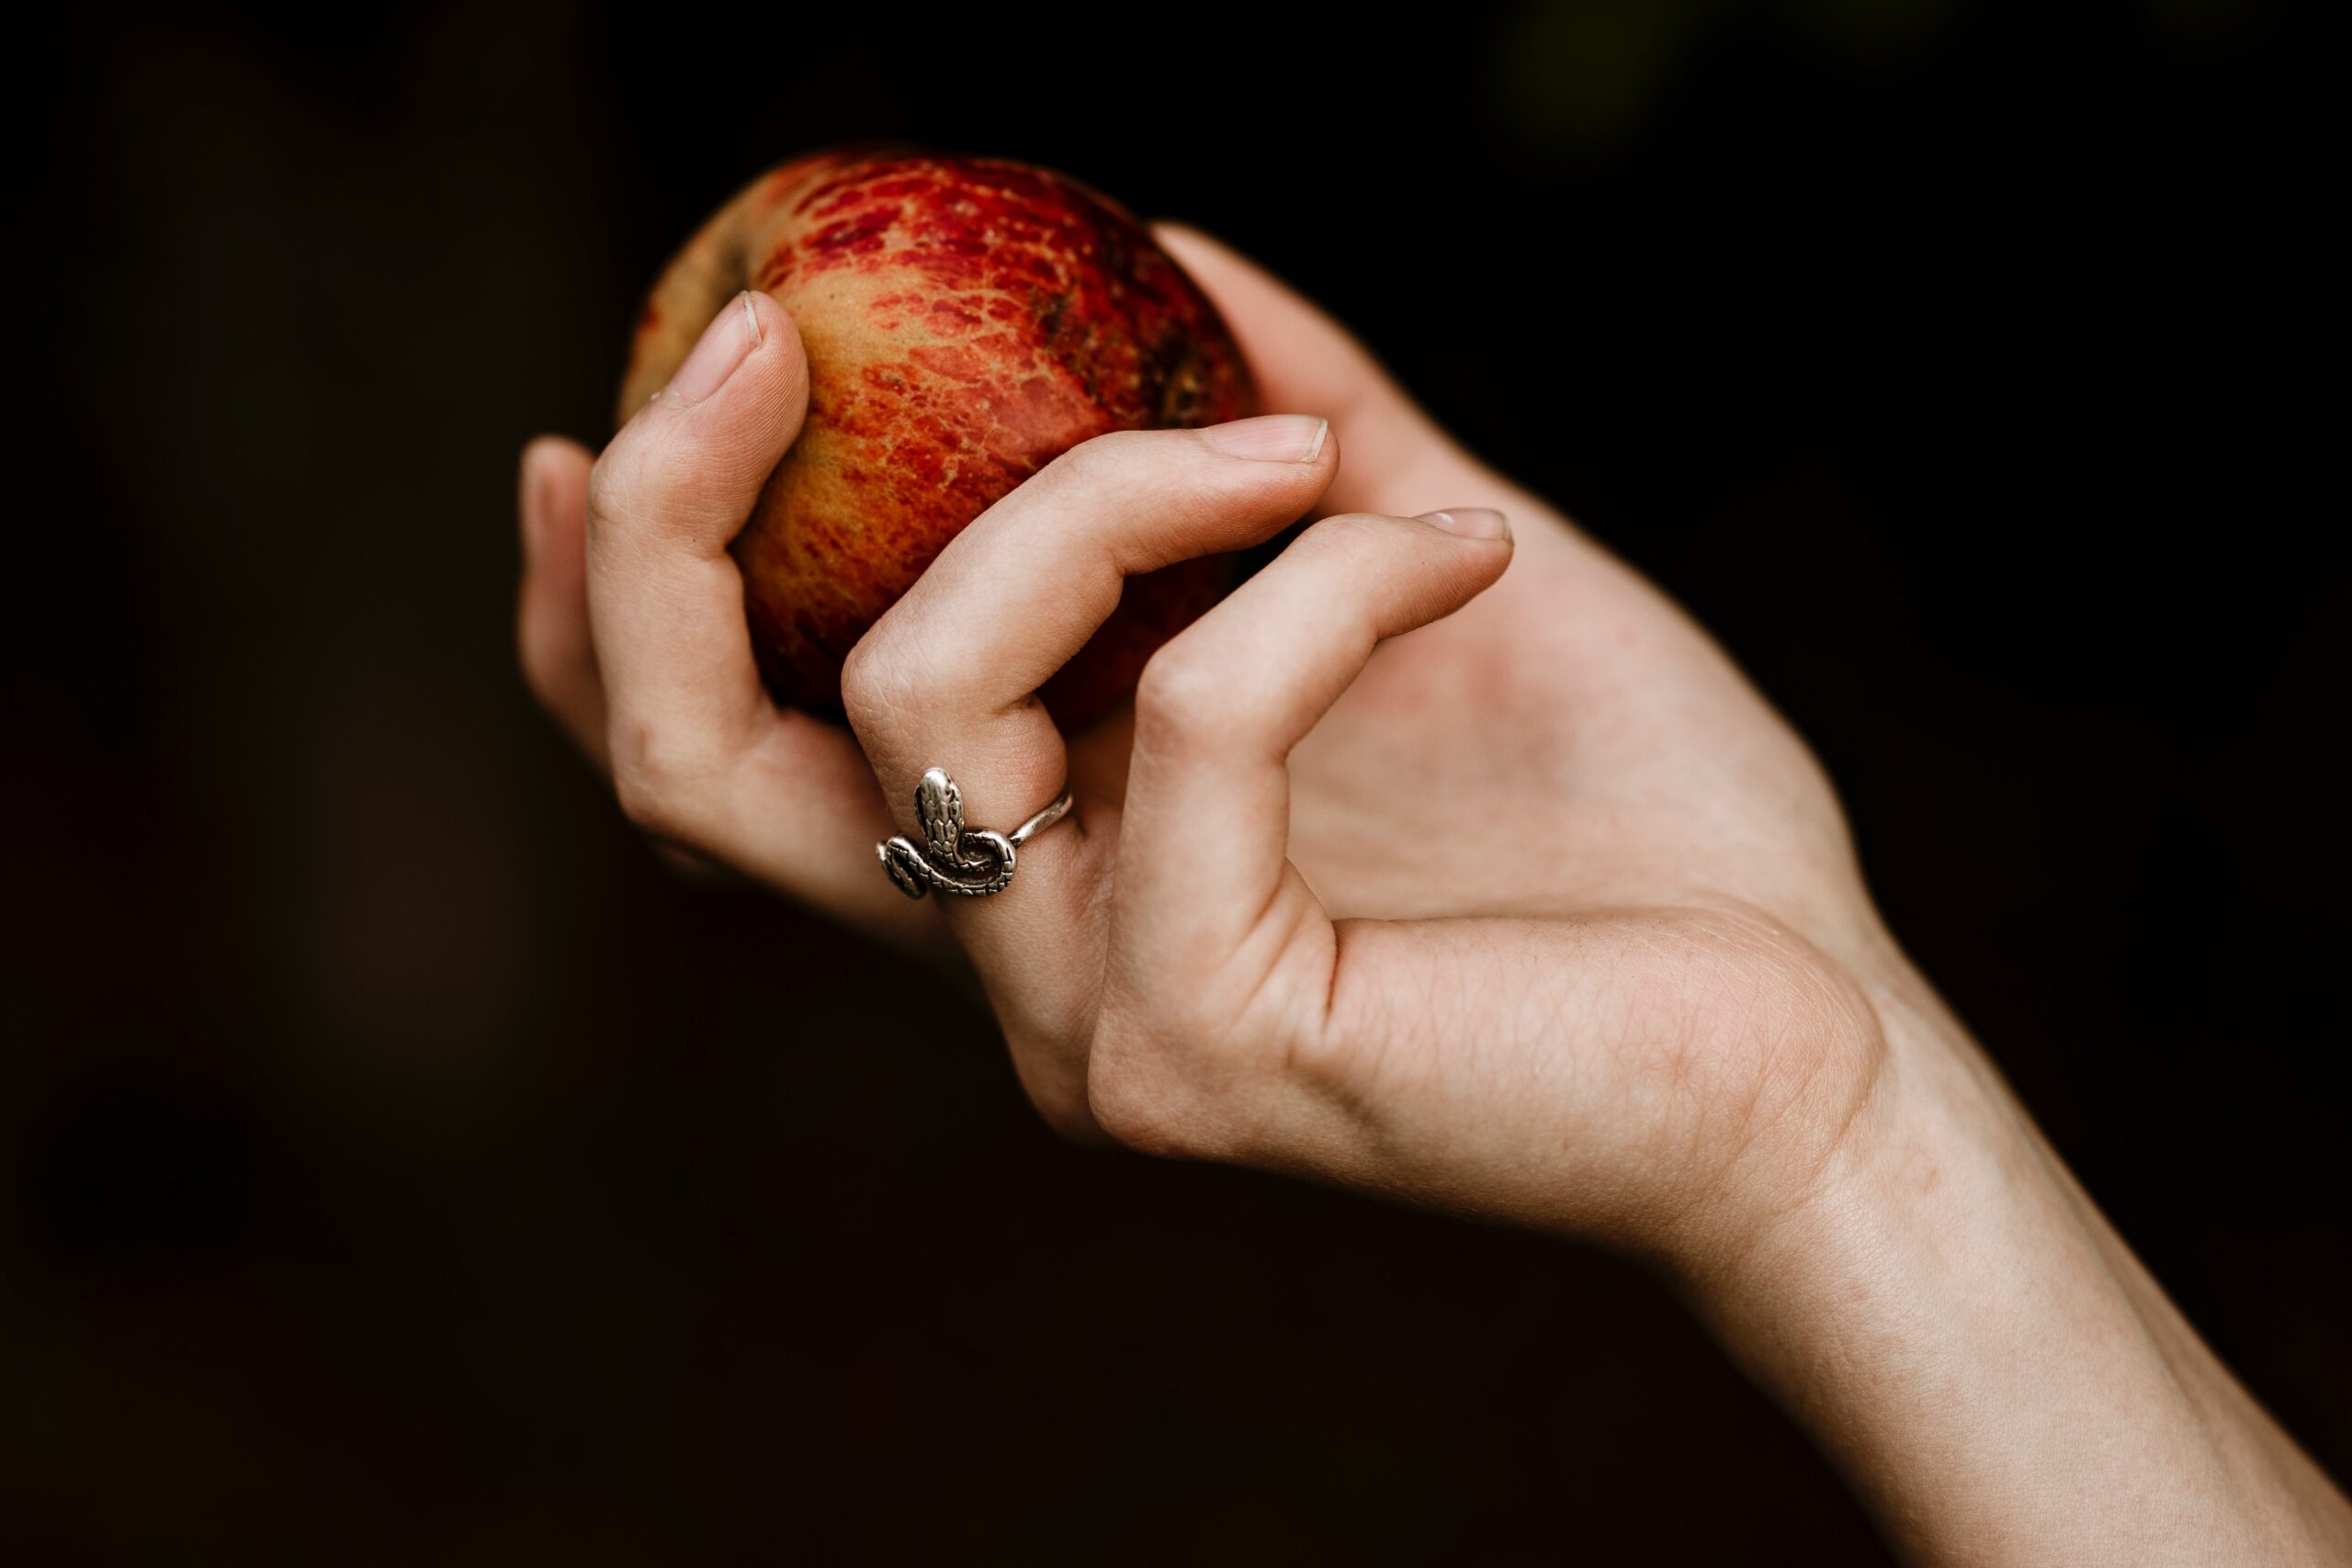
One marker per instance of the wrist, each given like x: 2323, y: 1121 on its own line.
x: 1963, y: 1333
x: 1936, y: 1167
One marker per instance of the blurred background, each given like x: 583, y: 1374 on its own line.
x: 396, y: 1165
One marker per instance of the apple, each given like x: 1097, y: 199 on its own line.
x: 966, y: 321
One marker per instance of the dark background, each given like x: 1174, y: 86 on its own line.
x: 396, y: 1165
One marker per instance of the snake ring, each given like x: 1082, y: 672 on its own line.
x: 953, y: 857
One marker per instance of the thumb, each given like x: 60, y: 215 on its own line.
x: 675, y: 486
x: 692, y: 459
x: 1397, y: 460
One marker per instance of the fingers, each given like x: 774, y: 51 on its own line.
x: 699, y: 756
x: 684, y: 702
x: 946, y: 680
x: 1220, y: 963
x: 557, y: 650
x: 947, y: 677
x: 551, y: 634
x: 1221, y: 706
x: 1212, y: 929
x: 1398, y: 459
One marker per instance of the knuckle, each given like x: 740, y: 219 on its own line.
x: 643, y: 483
x: 651, y: 809
x: 610, y: 484
x: 660, y: 782
x: 647, y: 808
x: 1166, y: 1089
x: 1346, y: 533
x: 1098, y: 460
x: 1182, y: 693
x: 1162, y: 464
x: 875, y: 681
x: 1139, y: 1104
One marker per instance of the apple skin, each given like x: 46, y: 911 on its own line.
x: 966, y: 321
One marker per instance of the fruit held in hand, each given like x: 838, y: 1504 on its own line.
x: 966, y: 321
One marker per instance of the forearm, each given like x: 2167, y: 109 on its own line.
x: 1968, y: 1337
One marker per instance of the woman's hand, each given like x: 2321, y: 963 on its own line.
x: 1437, y: 863
x: 1576, y: 865
x: 1537, y: 911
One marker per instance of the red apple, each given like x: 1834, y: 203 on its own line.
x: 966, y: 321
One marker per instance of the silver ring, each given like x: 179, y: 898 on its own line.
x: 973, y: 861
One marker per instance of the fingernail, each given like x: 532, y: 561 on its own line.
x: 725, y: 343
x: 1470, y: 522
x: 1272, y: 438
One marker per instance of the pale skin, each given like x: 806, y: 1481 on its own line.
x: 1447, y: 860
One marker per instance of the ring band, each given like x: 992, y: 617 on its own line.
x: 972, y: 862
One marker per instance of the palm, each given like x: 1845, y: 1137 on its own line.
x: 1569, y: 742
x: 1601, y: 790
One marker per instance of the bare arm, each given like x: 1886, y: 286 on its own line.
x: 1449, y: 859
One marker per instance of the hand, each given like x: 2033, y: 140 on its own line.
x: 1569, y: 760
x: 1537, y: 911
x: 1438, y: 865
x: 1657, y: 874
